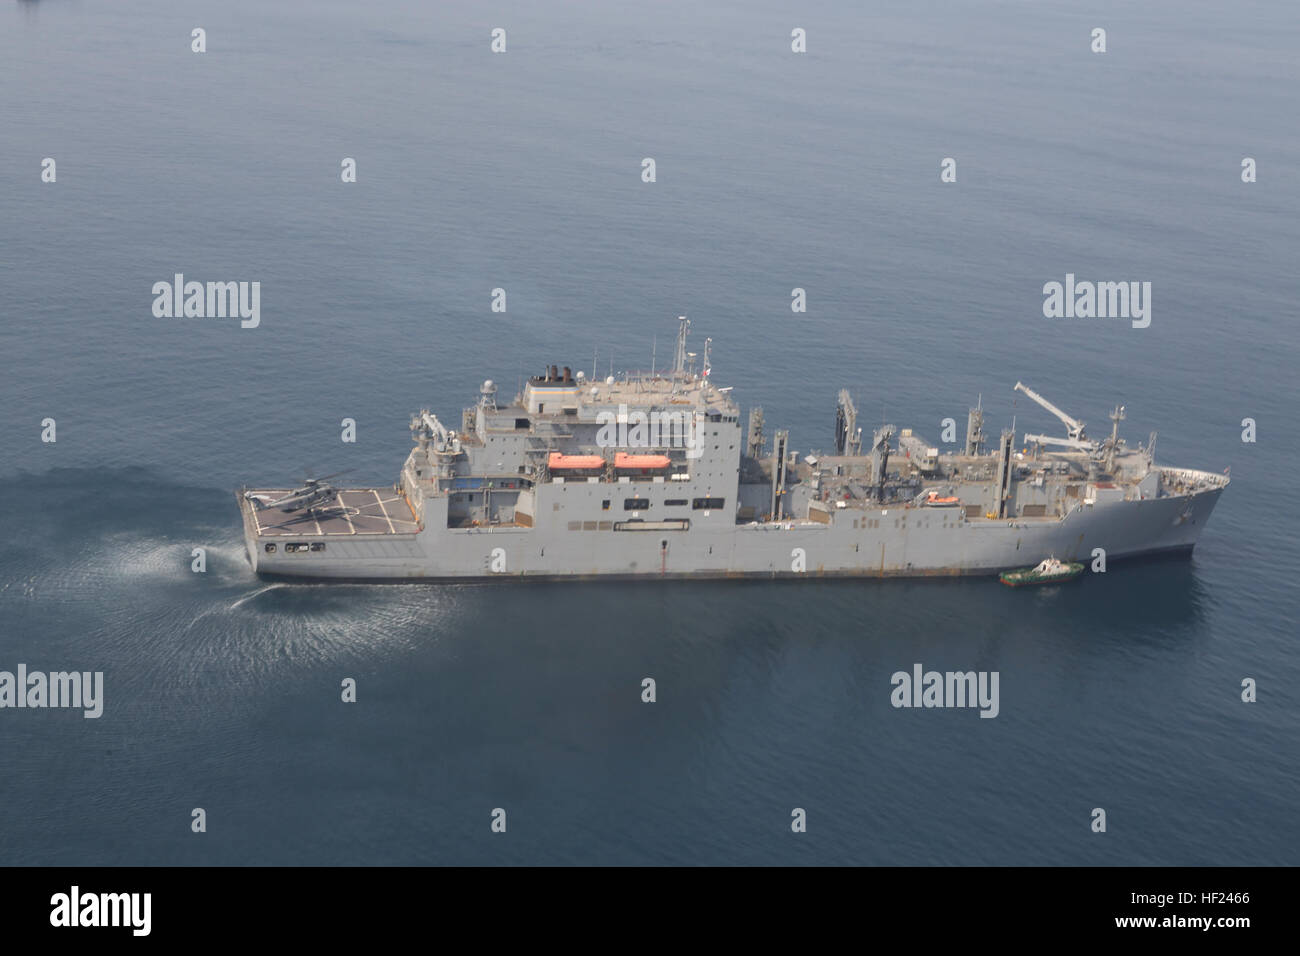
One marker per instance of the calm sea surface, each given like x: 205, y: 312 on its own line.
x: 522, y: 171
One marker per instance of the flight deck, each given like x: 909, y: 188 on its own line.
x: 354, y: 511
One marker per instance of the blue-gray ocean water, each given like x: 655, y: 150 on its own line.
x: 523, y: 171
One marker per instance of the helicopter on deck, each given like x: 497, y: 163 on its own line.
x: 314, y: 493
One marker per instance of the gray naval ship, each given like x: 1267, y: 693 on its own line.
x: 649, y: 475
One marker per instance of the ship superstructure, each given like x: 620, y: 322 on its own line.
x: 652, y: 475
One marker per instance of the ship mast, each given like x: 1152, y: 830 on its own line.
x: 975, y: 429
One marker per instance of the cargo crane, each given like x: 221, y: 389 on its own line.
x: 755, y: 440
x: 880, y: 459
x: 1074, y: 429
x: 848, y: 436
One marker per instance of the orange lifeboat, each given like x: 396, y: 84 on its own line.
x: 935, y: 500
x: 640, y: 462
x: 557, y: 461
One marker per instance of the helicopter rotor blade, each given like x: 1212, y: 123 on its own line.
x: 308, y: 479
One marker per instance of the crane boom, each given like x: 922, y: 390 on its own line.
x: 1073, y: 427
x: 1065, y: 442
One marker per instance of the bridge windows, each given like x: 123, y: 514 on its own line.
x: 708, y: 504
x: 636, y: 504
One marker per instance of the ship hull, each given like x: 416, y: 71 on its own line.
x: 900, y: 542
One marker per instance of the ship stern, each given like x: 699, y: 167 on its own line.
x: 251, y: 544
